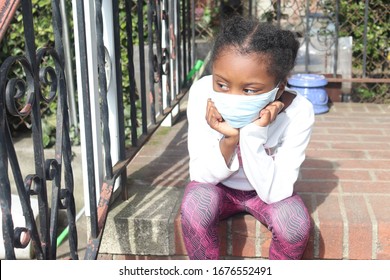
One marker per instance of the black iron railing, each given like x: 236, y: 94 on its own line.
x: 22, y: 96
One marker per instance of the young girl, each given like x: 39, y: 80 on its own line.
x: 247, y: 137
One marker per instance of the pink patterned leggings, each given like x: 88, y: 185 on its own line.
x: 204, y: 205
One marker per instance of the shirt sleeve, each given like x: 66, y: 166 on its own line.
x: 207, y: 163
x: 273, y: 177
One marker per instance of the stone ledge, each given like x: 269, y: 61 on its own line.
x: 144, y: 224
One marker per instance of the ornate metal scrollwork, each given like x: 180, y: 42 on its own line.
x: 17, y: 90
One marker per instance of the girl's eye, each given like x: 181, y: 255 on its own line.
x: 250, y: 91
x: 223, y: 87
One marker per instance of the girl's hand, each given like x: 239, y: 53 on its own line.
x: 269, y: 113
x: 216, y: 122
x: 231, y: 137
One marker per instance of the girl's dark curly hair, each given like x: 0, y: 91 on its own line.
x: 277, y: 47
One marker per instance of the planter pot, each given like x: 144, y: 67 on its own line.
x: 312, y: 86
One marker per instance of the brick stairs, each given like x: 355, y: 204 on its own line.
x: 344, y: 181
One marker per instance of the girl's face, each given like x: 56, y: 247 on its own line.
x: 244, y: 74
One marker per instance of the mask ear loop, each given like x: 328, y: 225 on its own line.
x: 277, y: 86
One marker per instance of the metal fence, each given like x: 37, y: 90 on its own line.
x: 23, y: 96
x: 347, y: 40
x: 162, y: 57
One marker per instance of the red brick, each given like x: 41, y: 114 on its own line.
x: 374, y: 138
x: 356, y: 131
x: 384, y: 241
x: 383, y: 175
x: 359, y: 109
x: 320, y: 130
x: 310, y: 163
x: 365, y: 187
x: 375, y: 109
x: 331, y: 124
x: 333, y: 154
x: 316, y: 186
x: 330, y: 174
x: 383, y: 119
x: 357, y: 175
x: 265, y: 240
x: 352, y: 118
x: 371, y: 125
x: 331, y: 119
x: 378, y: 154
x: 309, y: 252
x: 223, y: 237
x: 331, y: 227
x: 243, y: 233
x: 359, y: 228
x: 317, y: 174
x: 364, y: 164
x: 318, y: 145
x: 381, y: 208
x: 360, y: 146
x: 333, y: 137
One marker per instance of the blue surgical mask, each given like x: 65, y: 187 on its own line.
x: 239, y: 110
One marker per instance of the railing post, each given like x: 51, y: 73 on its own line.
x: 86, y: 83
x: 366, y: 3
x: 37, y: 128
x: 73, y: 119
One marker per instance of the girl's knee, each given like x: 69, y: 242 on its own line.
x: 295, y: 231
x: 292, y: 223
x: 200, y: 204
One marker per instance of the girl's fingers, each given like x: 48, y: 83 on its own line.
x: 215, y: 121
x: 274, y: 109
x: 212, y: 112
x: 269, y: 113
x: 265, y: 118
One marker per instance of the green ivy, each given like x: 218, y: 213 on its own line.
x: 377, y: 46
x: 13, y: 45
x: 378, y: 31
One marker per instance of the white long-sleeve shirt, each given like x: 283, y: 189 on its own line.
x: 268, y: 158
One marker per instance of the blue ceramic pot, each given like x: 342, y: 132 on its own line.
x: 312, y: 86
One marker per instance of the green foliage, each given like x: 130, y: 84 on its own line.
x: 123, y: 40
x: 378, y: 31
x: 372, y: 93
x: 13, y: 45
x: 377, y: 48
